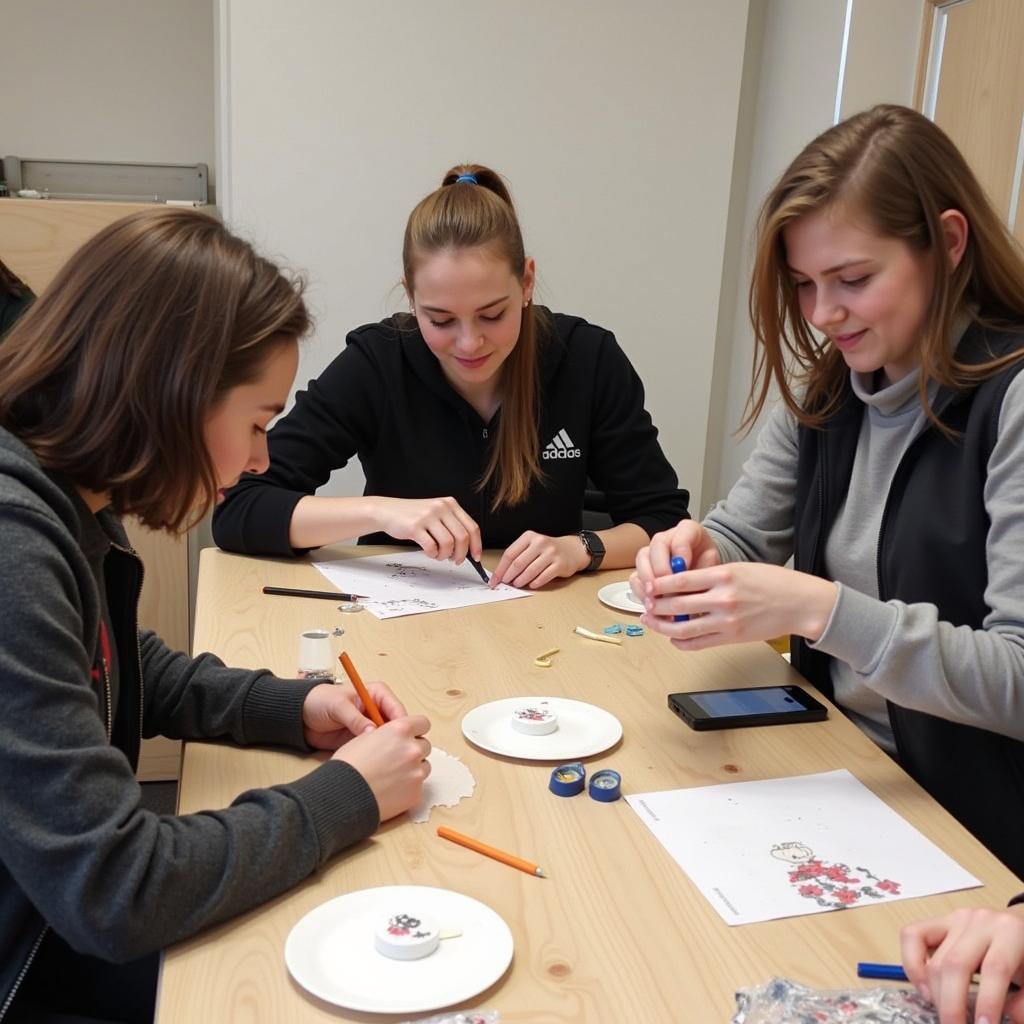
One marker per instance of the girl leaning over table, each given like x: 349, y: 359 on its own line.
x: 142, y: 382
x: 888, y: 309
x: 477, y: 419
x: 892, y: 469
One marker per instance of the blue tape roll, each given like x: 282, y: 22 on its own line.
x: 568, y: 779
x: 605, y: 785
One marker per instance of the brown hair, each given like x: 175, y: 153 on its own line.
x: 110, y: 376
x: 462, y: 215
x: 897, y: 172
x: 10, y: 283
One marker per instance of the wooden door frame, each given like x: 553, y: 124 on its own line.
x: 931, y: 8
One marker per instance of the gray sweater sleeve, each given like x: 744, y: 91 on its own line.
x: 911, y: 657
x: 755, y: 521
x: 113, y: 879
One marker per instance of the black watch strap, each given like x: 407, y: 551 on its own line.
x: 594, y: 547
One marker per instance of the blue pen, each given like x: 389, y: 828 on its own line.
x: 886, y: 972
x: 678, y: 564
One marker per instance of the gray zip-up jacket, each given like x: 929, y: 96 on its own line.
x: 77, y: 852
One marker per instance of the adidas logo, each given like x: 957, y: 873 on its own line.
x: 561, y: 447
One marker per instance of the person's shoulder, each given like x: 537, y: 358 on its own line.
x: 31, y: 503
x: 383, y: 334
x: 381, y: 345
x: 573, y: 330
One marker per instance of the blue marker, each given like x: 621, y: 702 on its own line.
x: 886, y: 972
x: 678, y: 564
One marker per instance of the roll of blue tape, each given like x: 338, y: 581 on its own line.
x: 568, y: 779
x: 605, y: 785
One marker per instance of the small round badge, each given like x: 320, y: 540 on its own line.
x: 407, y: 937
x: 534, y: 719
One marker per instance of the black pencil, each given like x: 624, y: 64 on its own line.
x: 481, y: 571
x: 328, y: 595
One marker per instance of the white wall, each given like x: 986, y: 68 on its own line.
x: 799, y: 59
x: 615, y: 124
x: 120, y: 80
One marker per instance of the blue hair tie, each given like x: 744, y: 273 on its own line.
x: 471, y: 178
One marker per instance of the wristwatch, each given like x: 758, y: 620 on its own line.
x: 594, y: 547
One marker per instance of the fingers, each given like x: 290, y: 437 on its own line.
x: 508, y: 556
x: 390, y: 706
x: 1001, y: 965
x: 474, y: 542
x: 443, y: 529
x: 535, y: 559
x: 916, y: 941
x: 682, y: 540
x: 941, y: 957
x: 644, y: 571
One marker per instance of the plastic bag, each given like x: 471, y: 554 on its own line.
x: 781, y: 1001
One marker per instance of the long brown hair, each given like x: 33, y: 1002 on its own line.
x: 461, y: 215
x: 10, y: 283
x: 898, y: 172
x: 110, y: 376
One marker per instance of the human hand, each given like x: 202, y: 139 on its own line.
x: 736, y: 603
x: 535, y: 559
x: 940, y: 957
x: 393, y: 761
x: 688, y: 539
x: 333, y: 714
x: 441, y: 527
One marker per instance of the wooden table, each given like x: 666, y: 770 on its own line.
x: 616, y: 933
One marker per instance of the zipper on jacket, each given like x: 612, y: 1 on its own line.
x: 109, y: 696
x: 485, y: 433
x: 24, y: 970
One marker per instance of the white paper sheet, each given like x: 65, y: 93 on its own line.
x: 789, y: 847
x: 410, y: 583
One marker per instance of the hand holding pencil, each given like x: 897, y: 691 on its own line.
x: 391, y: 757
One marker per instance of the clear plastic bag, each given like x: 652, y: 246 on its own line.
x: 781, y: 1001
x: 461, y: 1017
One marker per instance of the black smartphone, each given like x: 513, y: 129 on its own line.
x: 756, y: 705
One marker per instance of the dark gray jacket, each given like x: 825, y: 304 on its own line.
x: 77, y: 852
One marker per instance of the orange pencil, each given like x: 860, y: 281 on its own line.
x: 364, y: 694
x: 490, y: 851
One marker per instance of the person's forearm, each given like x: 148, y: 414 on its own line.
x: 621, y: 543
x: 317, y: 521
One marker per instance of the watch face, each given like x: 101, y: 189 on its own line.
x: 592, y: 542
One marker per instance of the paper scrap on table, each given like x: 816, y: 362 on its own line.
x: 788, y: 847
x: 411, y: 583
x: 448, y: 782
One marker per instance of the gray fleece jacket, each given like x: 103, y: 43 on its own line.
x: 77, y: 852
x: 890, y: 650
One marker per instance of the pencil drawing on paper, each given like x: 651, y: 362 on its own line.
x: 412, y: 583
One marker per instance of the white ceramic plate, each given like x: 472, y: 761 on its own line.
x: 330, y: 952
x: 618, y: 595
x: 583, y: 730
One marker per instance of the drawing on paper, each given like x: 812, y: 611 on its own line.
x: 825, y: 842
x: 408, y: 584
x: 831, y: 885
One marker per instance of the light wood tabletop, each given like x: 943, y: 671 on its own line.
x: 616, y: 932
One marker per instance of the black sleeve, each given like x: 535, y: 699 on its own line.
x: 330, y: 422
x: 626, y: 462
